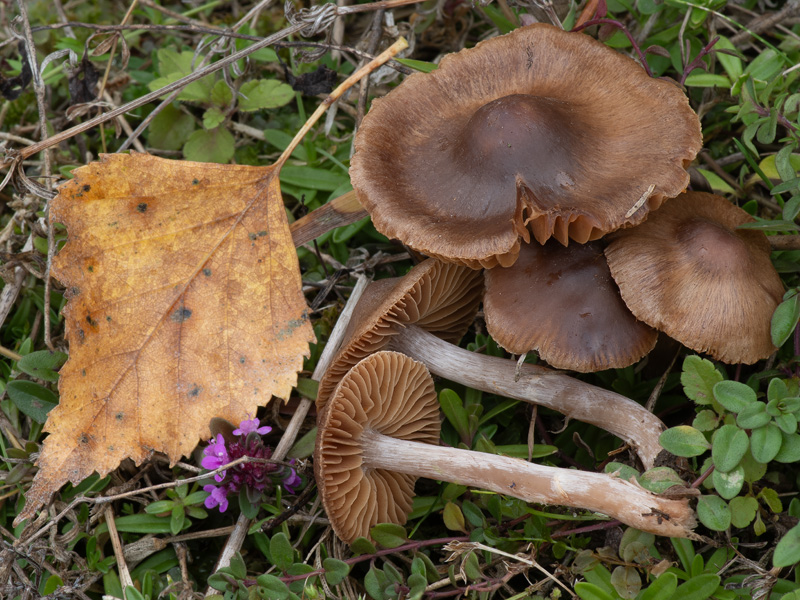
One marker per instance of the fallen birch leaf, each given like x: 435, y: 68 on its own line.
x: 185, y: 304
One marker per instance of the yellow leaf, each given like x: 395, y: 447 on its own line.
x: 185, y: 304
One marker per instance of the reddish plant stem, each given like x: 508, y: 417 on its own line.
x: 697, y: 63
x: 621, y: 27
x: 699, y: 481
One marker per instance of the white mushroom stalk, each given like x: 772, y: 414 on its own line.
x: 608, y: 410
x: 599, y: 492
x: 380, y: 429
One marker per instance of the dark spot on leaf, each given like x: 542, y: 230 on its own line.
x: 195, y: 181
x: 75, y: 291
x: 84, y: 439
x: 207, y: 272
x: 195, y: 391
x: 87, y: 187
x: 241, y: 360
x: 91, y: 321
x: 111, y: 448
x: 262, y: 233
x: 119, y: 416
x: 108, y: 318
x: 141, y: 207
x: 252, y: 236
x: 181, y: 314
x: 83, y: 372
x: 91, y: 268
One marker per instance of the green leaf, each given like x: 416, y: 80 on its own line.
x: 131, y: 593
x: 659, y: 479
x: 214, y: 146
x: 272, y: 587
x: 170, y: 129
x: 765, y: 442
x: 221, y: 94
x: 161, y: 506
x: 626, y: 582
x: 172, y: 66
x: 32, y: 399
x: 728, y: 485
x: 589, y: 591
x: 453, y: 409
x: 728, y: 446
x: 734, y: 396
x: 784, y: 320
x: 706, y: 80
x: 237, y: 567
x: 790, y: 448
x: 362, y: 545
x: 335, y: 570
x: 419, y: 65
x: 787, y: 552
x: 698, y: 378
x: 772, y: 499
x: 715, y: 514
x: 698, y: 588
x: 374, y: 582
x: 280, y: 548
x: 684, y: 441
x: 42, y: 364
x: 743, y: 511
x: 706, y: 420
x: 755, y: 415
x: 417, y: 583
x: 52, y: 584
x: 662, y: 588
x: 731, y: 64
x: 454, y: 518
x: 716, y: 182
x: 787, y: 423
x: 471, y: 566
x: 213, y: 118
x: 312, y: 178
x: 264, y: 93
x: 389, y: 535
x: 177, y: 519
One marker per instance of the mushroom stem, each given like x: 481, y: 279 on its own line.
x: 617, y: 414
x: 619, y: 499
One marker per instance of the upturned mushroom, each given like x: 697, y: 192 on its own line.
x: 380, y: 431
x: 387, y: 318
x: 536, y: 134
x: 563, y: 303
x: 689, y: 272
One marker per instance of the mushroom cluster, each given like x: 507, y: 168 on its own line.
x: 551, y: 136
x: 499, y: 159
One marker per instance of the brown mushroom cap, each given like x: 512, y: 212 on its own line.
x: 563, y: 303
x: 687, y: 271
x: 390, y: 394
x: 539, y: 131
x: 439, y: 297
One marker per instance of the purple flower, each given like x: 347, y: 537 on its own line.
x: 246, y: 427
x: 216, y: 455
x: 218, y: 496
x: 292, y: 481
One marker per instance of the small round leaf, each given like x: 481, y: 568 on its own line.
x: 733, y: 395
x: 765, y: 442
x: 714, y: 513
x: 684, y: 440
x: 729, y: 444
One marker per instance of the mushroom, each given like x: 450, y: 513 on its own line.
x: 539, y: 132
x: 563, y: 303
x: 689, y: 272
x: 378, y: 432
x: 386, y: 318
